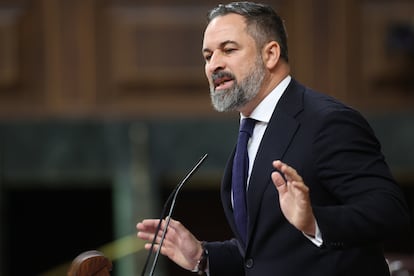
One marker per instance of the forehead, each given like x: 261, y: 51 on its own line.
x: 224, y: 28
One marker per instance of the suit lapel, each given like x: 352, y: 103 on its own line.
x: 226, y: 192
x: 276, y: 139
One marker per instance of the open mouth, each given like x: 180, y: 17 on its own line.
x: 223, y: 80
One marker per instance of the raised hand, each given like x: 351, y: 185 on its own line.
x: 294, y: 198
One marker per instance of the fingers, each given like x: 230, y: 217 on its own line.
x: 148, y: 227
x: 176, y: 226
x: 288, y: 172
x: 287, y: 177
x: 279, y: 182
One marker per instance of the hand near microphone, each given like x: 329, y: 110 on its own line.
x: 183, y: 248
x: 294, y: 198
x: 179, y: 244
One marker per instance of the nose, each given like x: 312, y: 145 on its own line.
x: 216, y: 63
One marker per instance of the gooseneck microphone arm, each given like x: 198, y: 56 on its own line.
x: 172, y: 198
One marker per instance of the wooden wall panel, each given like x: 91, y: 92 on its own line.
x: 70, y: 57
x: 342, y: 48
x: 157, y: 47
x: 49, y: 66
x: 153, y: 62
x: 386, y: 71
x: 90, y: 58
x: 318, y: 32
x: 8, y: 47
x: 21, y: 58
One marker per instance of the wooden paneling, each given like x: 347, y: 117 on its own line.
x: 386, y: 72
x: 153, y: 62
x: 90, y: 58
x: 157, y: 46
x: 21, y: 58
x: 343, y: 48
x: 8, y: 47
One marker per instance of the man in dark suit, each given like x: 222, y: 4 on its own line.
x: 320, y: 197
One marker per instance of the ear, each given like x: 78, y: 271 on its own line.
x: 271, y: 54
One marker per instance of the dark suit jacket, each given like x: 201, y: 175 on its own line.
x: 355, y: 199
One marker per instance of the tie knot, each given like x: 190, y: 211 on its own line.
x: 247, y: 125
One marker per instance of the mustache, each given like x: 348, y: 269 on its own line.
x: 222, y: 74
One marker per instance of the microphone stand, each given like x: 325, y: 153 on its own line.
x: 172, y: 197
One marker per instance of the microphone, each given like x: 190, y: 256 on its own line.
x: 171, y: 198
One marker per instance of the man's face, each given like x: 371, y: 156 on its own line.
x: 233, y: 67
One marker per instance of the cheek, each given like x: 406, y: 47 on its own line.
x: 241, y: 67
x: 208, y: 75
x: 206, y: 70
x: 241, y: 74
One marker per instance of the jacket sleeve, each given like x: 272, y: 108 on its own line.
x: 350, y: 166
x: 224, y: 258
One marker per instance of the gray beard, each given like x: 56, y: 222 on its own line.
x: 238, y: 95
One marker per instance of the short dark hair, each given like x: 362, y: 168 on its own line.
x: 263, y: 23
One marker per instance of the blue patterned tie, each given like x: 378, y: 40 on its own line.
x: 239, y: 178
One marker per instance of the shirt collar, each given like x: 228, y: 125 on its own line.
x: 264, y: 110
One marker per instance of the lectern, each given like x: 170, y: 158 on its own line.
x: 90, y: 263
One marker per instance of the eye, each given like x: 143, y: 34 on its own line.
x: 229, y: 50
x: 207, y: 57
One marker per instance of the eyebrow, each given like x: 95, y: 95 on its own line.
x: 222, y: 45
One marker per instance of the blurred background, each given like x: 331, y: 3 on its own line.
x: 104, y: 107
